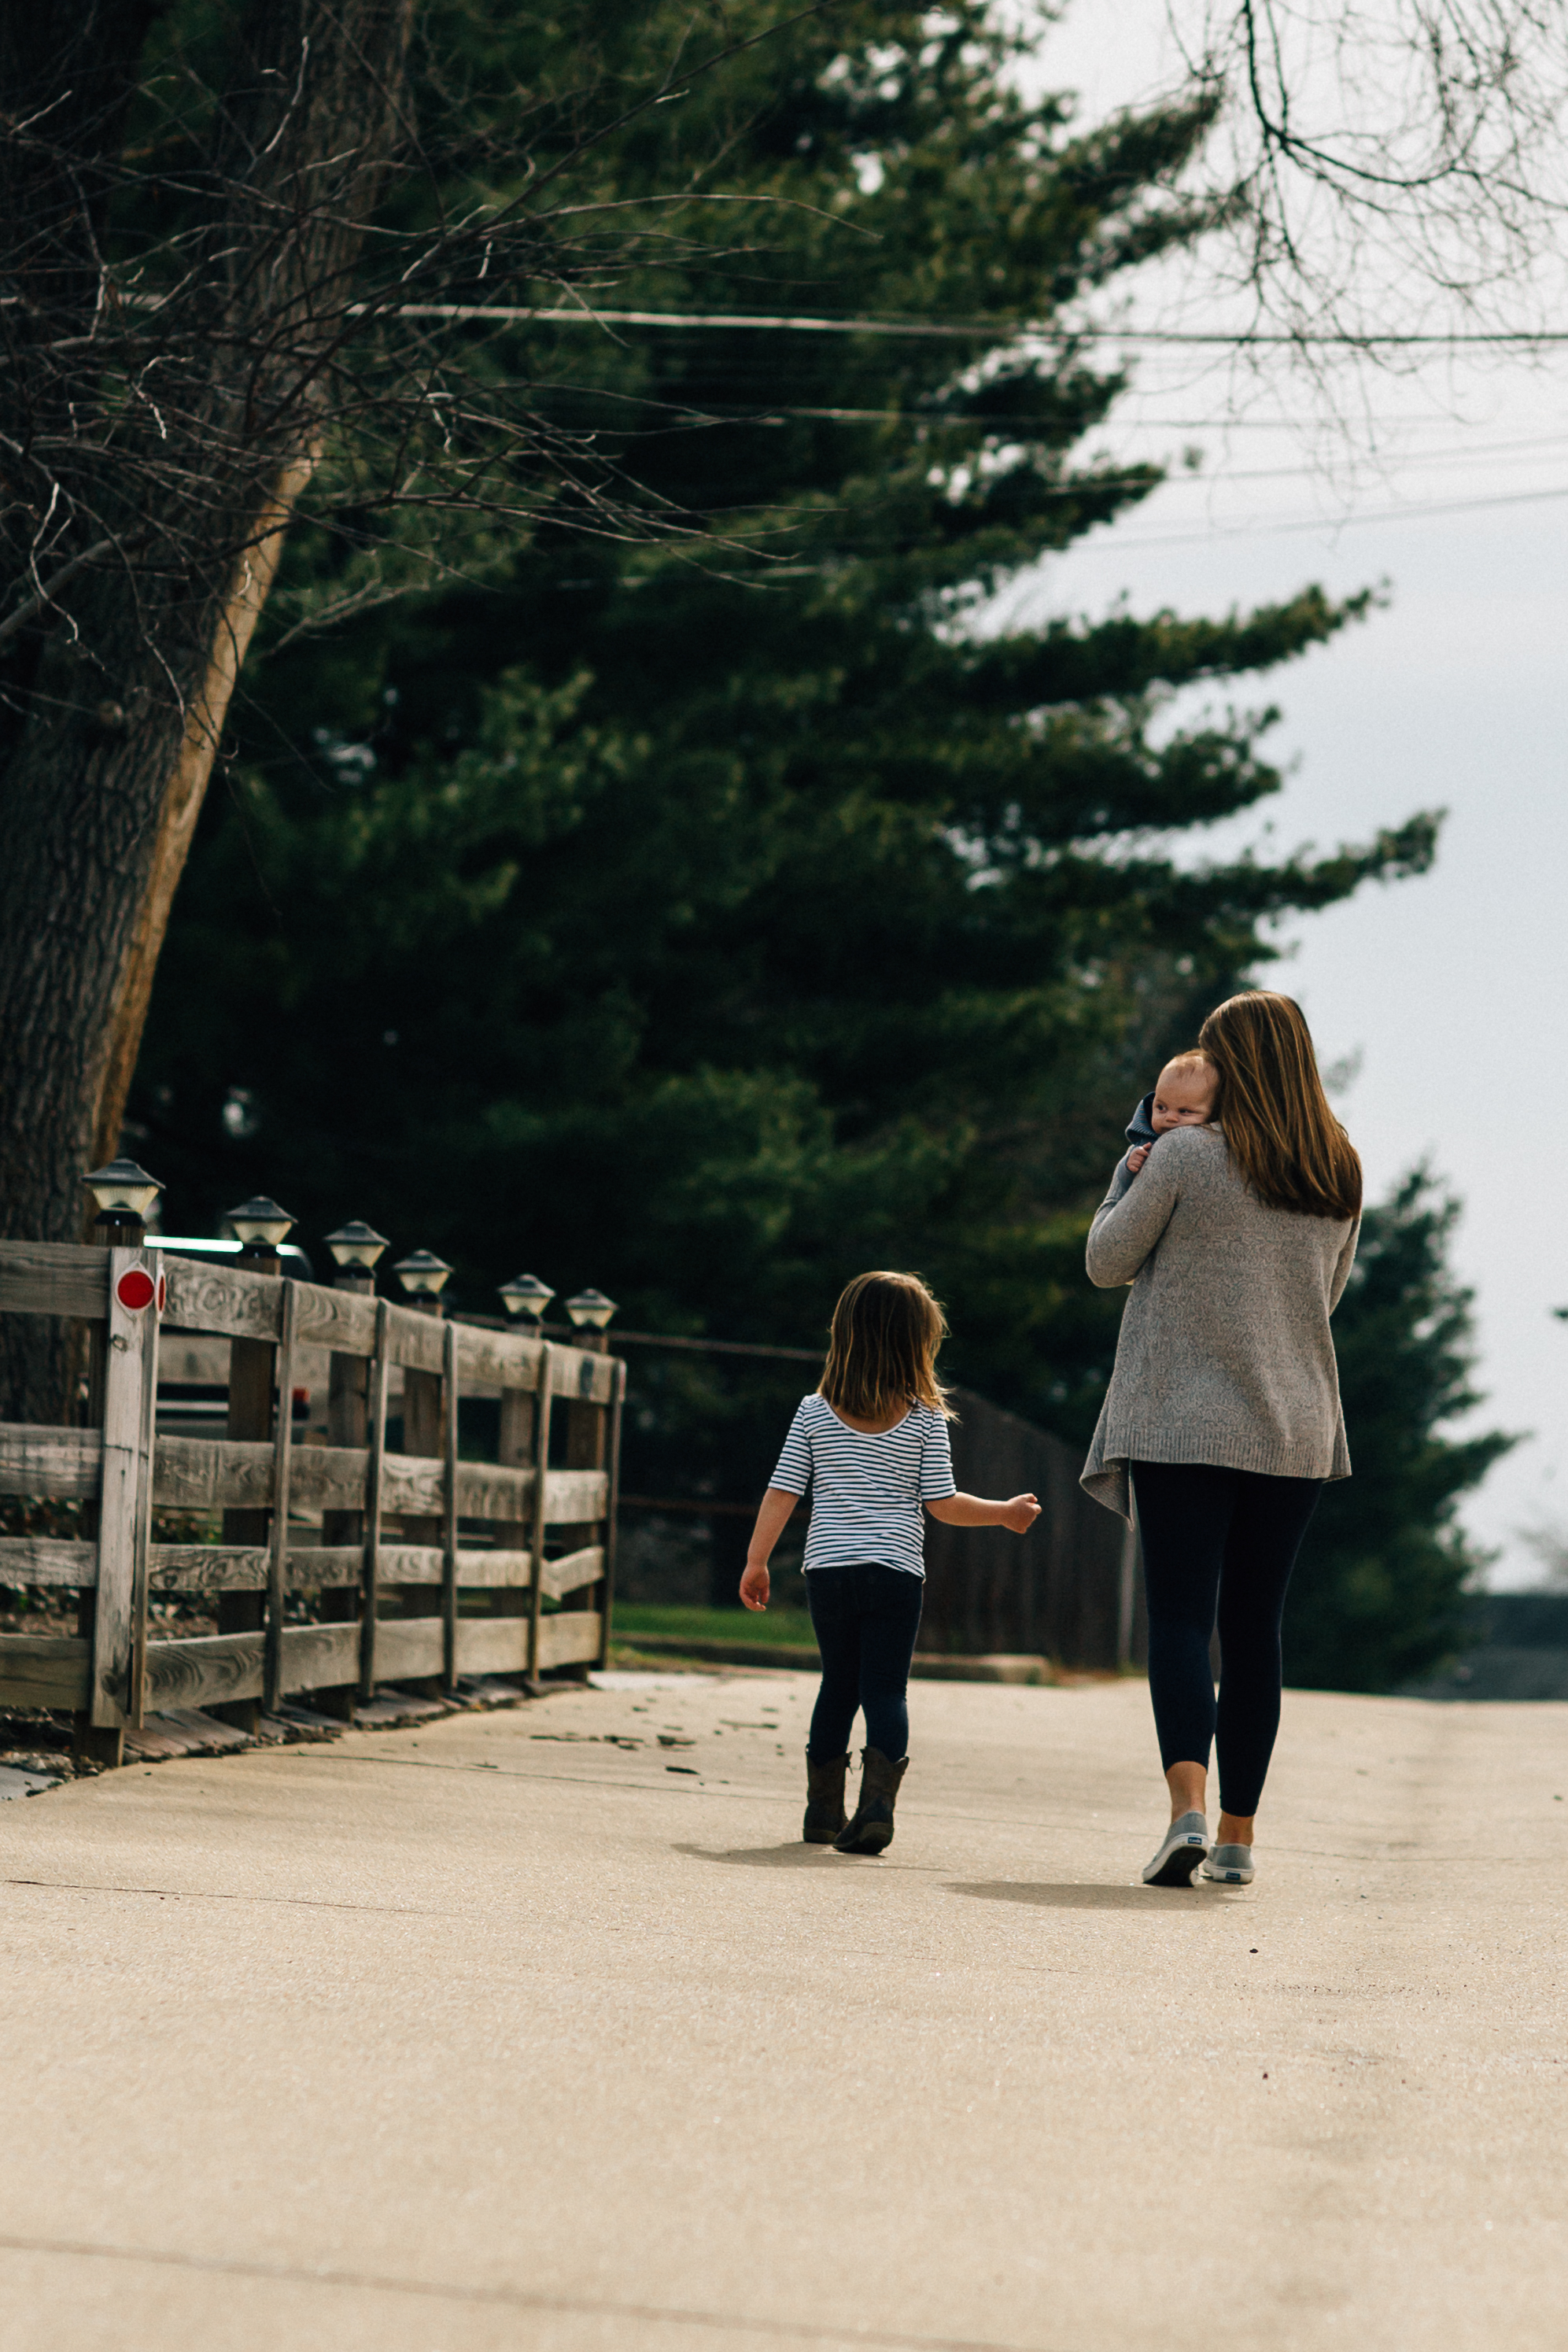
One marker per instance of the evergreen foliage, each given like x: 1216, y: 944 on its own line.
x: 712, y: 916
x: 1377, y: 1595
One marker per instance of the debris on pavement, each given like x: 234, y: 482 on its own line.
x: 20, y: 1779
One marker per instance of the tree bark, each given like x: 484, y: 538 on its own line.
x: 120, y: 685
x: 182, y: 805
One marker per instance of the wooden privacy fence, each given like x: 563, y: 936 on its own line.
x: 1071, y: 1589
x: 533, y: 1536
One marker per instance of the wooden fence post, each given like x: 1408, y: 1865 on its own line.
x: 253, y: 1379
x: 376, y: 1440
x: 449, y: 1509
x: 109, y: 1697
x: 611, y: 1514
x: 282, y: 1464
x: 515, y: 1449
x: 586, y: 1448
x: 146, y: 1470
x: 348, y: 1391
x: 111, y: 1230
x: 537, y: 1529
x: 423, y: 1419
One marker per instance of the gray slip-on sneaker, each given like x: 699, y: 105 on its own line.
x: 1185, y: 1843
x: 1231, y: 1865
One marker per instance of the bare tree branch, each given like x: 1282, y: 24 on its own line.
x: 1387, y: 163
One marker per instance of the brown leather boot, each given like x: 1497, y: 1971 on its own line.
x: 824, y: 1801
x: 871, y: 1831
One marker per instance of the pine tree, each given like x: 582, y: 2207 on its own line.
x: 1377, y: 1595
x: 712, y: 919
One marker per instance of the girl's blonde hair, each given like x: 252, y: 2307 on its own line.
x: 881, y: 1351
x: 1270, y: 1105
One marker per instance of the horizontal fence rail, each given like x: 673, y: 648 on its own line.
x: 199, y: 1473
x: 519, y: 1537
x: 54, y: 1278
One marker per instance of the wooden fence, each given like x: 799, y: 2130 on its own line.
x: 533, y: 1536
x: 1071, y: 1589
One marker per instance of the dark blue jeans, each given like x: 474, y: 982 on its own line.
x: 866, y: 1620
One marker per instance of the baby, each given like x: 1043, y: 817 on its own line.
x: 1183, y: 1098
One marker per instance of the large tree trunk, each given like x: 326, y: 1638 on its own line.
x: 121, y: 682
x: 98, y: 816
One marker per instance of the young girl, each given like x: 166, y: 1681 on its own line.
x: 871, y: 1446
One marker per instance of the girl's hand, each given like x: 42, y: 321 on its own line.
x: 1019, y: 1514
x: 754, y: 1588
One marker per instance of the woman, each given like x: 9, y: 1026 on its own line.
x: 1223, y: 1413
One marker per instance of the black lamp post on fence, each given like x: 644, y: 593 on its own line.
x: 526, y: 1296
x: 591, y: 1312
x: 260, y: 1227
x: 124, y: 1193
x: 355, y: 1248
x: 423, y: 1276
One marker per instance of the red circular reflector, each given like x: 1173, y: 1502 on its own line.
x: 163, y: 1291
x: 135, y: 1289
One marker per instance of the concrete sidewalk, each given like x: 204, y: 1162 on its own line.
x: 502, y: 2034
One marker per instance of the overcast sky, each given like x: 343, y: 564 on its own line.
x: 1449, y: 988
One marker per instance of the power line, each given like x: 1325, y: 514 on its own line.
x: 722, y: 320
x: 955, y: 330
x: 945, y: 330
x: 1463, y: 453
x: 1329, y: 522
x: 1035, y: 427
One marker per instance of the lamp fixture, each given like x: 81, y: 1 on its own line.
x: 357, y: 1244
x: 591, y: 1307
x: 260, y: 1219
x: 422, y: 1273
x: 123, y: 1186
x: 526, y: 1295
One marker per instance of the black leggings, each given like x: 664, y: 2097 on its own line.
x: 866, y: 1620
x: 1229, y: 1536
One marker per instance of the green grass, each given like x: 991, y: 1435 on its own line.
x: 773, y: 1623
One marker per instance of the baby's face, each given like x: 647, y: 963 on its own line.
x: 1183, y: 1098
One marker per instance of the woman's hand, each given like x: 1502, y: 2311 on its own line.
x: 755, y: 1586
x: 1020, y: 1514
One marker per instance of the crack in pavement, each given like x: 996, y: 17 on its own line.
x: 222, y: 1895
x: 793, y: 2331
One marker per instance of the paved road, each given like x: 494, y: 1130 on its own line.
x: 502, y: 2034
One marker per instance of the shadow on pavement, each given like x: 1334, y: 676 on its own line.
x: 794, y: 1856
x: 1091, y: 1896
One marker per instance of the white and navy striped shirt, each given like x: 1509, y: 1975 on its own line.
x: 866, y: 1492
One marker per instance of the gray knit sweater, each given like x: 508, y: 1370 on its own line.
x: 1224, y: 1354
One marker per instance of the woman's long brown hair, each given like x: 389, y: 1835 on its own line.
x: 881, y: 1353
x: 1271, y: 1107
